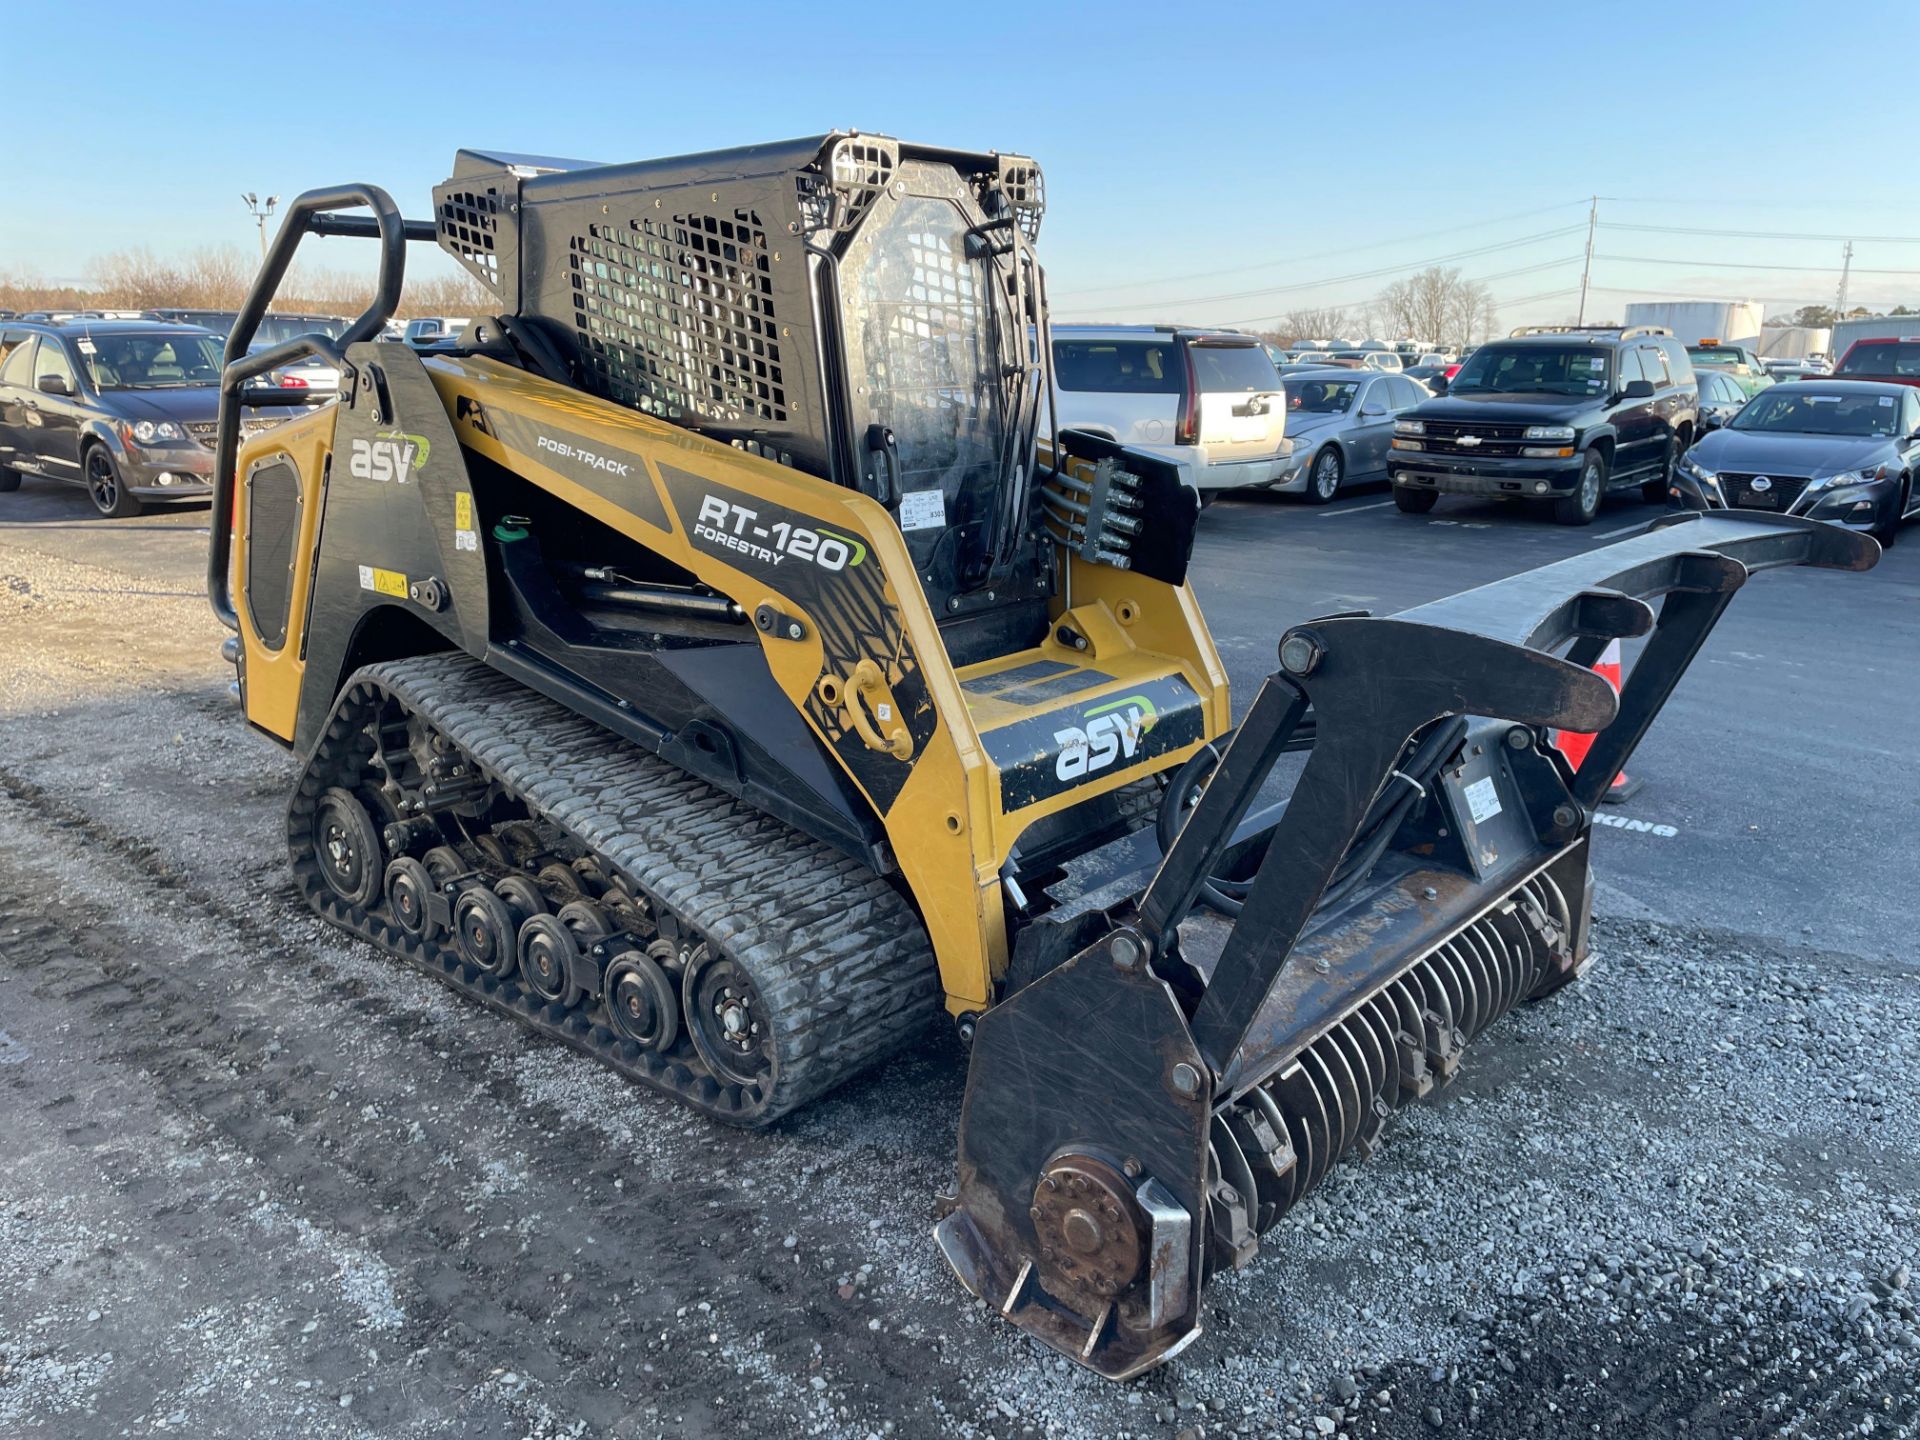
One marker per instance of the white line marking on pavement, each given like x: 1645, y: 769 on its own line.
x: 1356, y: 509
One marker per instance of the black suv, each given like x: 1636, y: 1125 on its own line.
x: 126, y: 408
x: 1558, y: 413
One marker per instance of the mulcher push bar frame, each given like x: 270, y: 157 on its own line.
x: 310, y: 214
x: 1138, y: 1047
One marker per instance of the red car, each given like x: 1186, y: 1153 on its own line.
x: 1895, y: 360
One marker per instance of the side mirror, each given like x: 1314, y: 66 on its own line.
x: 53, y: 385
x: 1638, y: 390
x: 1438, y: 384
x: 1709, y: 421
x: 1372, y: 407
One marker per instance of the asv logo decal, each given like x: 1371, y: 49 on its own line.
x: 387, y: 457
x: 736, y: 527
x: 1110, y: 732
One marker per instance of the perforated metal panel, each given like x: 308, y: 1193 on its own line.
x: 272, y: 518
x: 675, y: 316
x: 468, y: 219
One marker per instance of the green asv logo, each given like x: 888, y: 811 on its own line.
x: 1106, y: 733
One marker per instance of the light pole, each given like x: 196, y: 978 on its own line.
x: 261, y: 214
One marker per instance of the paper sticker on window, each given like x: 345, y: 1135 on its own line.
x: 1887, y: 400
x: 1483, y: 801
x: 923, y: 510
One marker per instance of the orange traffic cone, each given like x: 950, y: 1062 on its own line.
x: 1575, y: 744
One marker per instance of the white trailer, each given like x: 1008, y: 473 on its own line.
x: 1735, y: 321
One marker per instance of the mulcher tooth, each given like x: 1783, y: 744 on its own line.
x: 1184, y: 1084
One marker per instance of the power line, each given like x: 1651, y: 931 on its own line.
x: 1317, y: 255
x: 1742, y: 265
x: 1471, y: 279
x: 1761, y: 234
x: 1366, y: 274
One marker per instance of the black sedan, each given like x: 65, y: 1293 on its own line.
x: 1721, y: 398
x: 1841, y: 451
x: 125, y: 408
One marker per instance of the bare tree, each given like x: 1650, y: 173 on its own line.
x: 1298, y: 325
x: 1439, y: 306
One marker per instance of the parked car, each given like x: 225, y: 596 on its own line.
x: 1339, y: 424
x: 427, y: 330
x: 1554, y: 413
x: 1307, y: 367
x: 1371, y: 359
x: 1208, y: 400
x: 127, y: 408
x: 312, y: 375
x: 1896, y: 361
x: 1842, y: 452
x: 1433, y: 377
x: 1735, y: 360
x: 1720, y: 399
x: 1797, y: 369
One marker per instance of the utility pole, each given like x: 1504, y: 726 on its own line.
x: 1846, y: 266
x: 261, y: 214
x: 1586, y: 270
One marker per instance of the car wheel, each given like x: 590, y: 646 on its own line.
x: 1323, y: 481
x: 1583, y: 504
x: 1888, y: 529
x: 105, y: 488
x: 1654, y: 492
x: 1414, y: 502
x: 9, y: 481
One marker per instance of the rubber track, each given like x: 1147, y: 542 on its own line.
x: 842, y: 962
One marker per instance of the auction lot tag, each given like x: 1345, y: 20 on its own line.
x: 923, y: 510
x: 384, y: 582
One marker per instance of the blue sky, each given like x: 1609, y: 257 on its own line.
x: 1192, y: 151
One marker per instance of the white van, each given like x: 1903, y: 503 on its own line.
x: 1211, y: 401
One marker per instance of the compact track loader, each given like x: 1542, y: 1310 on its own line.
x: 711, y: 662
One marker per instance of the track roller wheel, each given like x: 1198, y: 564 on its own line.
x: 727, y: 1019
x: 409, y: 887
x: 641, y: 1002
x: 549, y: 946
x: 485, y: 930
x: 522, y: 895
x: 443, y: 862
x: 561, y: 880
x: 347, y: 847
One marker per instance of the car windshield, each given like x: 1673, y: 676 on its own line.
x: 1820, y: 412
x: 1712, y: 355
x: 1533, y: 370
x: 1901, y: 358
x: 1321, y: 397
x: 276, y: 329
x: 151, y: 360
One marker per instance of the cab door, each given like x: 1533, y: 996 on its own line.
x: 1634, y: 421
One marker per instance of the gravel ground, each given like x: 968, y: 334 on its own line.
x: 258, y: 1181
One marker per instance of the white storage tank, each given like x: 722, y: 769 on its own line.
x: 1795, y: 342
x: 1735, y: 321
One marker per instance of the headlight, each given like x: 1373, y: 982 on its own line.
x: 1852, y: 477
x: 1409, y: 427
x: 1549, y: 432
x: 146, y: 431
x: 1399, y: 444
x: 1690, y: 466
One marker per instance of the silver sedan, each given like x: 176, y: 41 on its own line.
x: 1339, y: 423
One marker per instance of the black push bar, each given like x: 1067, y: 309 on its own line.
x: 310, y: 214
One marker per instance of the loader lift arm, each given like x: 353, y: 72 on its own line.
x: 1177, y: 1064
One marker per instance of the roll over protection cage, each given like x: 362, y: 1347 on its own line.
x: 310, y: 214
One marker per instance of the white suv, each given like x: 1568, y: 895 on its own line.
x: 1210, y: 401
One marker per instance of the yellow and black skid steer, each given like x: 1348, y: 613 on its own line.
x: 710, y: 660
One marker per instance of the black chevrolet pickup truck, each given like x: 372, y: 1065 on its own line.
x: 1560, y: 414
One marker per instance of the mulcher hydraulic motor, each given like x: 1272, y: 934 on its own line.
x: 711, y: 661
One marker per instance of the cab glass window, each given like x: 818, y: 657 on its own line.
x: 1654, y: 365
x: 18, y: 367
x: 1630, y: 370
x: 1119, y: 367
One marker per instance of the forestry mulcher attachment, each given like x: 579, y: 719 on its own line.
x: 711, y: 662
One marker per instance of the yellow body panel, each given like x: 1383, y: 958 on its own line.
x: 274, y: 676
x: 896, y: 716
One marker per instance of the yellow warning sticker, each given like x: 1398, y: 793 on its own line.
x: 463, y: 511
x: 385, y: 582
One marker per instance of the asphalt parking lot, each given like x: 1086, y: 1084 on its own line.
x: 257, y: 1182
